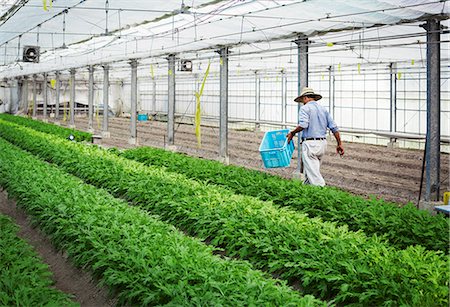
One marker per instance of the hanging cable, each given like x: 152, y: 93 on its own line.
x: 6, y: 46
x: 64, y: 30
x: 18, y: 47
x: 242, y: 27
x: 120, y: 25
x: 37, y: 35
x: 106, y: 12
x: 173, y: 25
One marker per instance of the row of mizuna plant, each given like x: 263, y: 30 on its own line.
x: 325, y: 260
x: 402, y: 226
x: 48, y: 128
x: 143, y: 260
x: 25, y: 279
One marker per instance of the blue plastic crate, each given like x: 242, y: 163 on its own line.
x: 274, y: 149
x: 142, y: 117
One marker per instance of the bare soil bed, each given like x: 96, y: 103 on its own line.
x: 366, y: 170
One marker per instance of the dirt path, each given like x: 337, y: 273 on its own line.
x: 367, y: 170
x: 67, y: 278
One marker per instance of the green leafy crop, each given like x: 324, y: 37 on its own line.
x: 63, y: 132
x: 143, y: 260
x: 323, y: 259
x: 24, y: 279
x: 401, y: 226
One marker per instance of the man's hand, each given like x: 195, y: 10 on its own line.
x: 340, y: 149
x: 289, y: 136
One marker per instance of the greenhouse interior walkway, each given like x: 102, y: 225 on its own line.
x: 368, y: 170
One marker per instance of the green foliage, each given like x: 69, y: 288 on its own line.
x: 48, y: 128
x: 25, y: 280
x: 401, y: 226
x: 143, y: 260
x: 323, y: 259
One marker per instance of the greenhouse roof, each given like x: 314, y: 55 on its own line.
x: 77, y: 33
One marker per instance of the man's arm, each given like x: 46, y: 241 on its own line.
x: 291, y: 134
x: 339, y: 147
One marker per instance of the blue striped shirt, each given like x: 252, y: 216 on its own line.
x: 315, y: 119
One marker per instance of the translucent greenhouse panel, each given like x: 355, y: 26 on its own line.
x: 410, y: 122
x: 445, y: 100
x: 161, y: 104
x: 242, y: 98
x: 271, y: 98
x: 319, y: 81
x: 185, y: 96
x: 382, y: 119
x: 358, y: 118
x: 210, y: 101
x: 292, y: 106
x: 145, y: 96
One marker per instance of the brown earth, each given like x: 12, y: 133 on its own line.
x: 368, y: 170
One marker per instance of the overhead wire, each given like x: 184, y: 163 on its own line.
x: 329, y: 17
x: 215, y: 12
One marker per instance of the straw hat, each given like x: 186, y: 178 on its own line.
x: 307, y: 91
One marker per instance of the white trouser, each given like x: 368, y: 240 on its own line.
x: 312, y: 153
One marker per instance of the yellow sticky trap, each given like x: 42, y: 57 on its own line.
x: 339, y: 67
x: 197, y: 120
x: 359, y: 68
x: 53, y: 83
x: 330, y: 44
x: 44, y: 4
x: 276, y: 79
x: 151, y: 71
x: 399, y: 75
x: 412, y: 62
x: 198, y: 109
x: 170, y: 72
x: 221, y: 61
x: 446, y: 198
x: 323, y: 77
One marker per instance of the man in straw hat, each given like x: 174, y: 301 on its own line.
x: 314, y: 121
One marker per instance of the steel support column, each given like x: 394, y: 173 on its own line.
x: 171, y: 101
x: 57, y: 97
x: 34, y: 97
x: 72, y: 99
x: 91, y: 99
x: 45, y: 94
x: 25, y: 94
x: 133, y: 128
x: 393, y: 99
x: 105, y: 132
x: 283, y: 99
x: 433, y: 111
x: 223, y: 128
x: 154, y: 96
x: 331, y: 90
x: 257, y: 100
x: 302, y: 81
